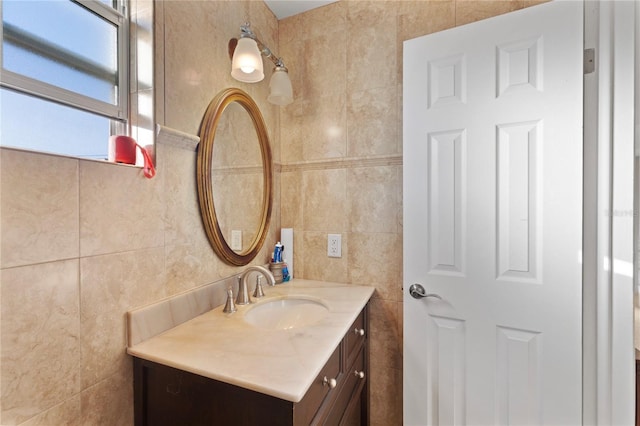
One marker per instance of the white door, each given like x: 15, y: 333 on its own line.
x: 493, y: 221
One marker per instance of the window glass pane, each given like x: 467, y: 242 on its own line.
x: 111, y: 3
x: 30, y: 123
x: 76, y: 51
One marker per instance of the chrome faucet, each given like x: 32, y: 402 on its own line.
x: 243, y: 294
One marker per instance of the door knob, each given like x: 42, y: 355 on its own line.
x: 418, y: 292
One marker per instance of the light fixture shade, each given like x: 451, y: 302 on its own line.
x: 280, y: 90
x: 247, y: 62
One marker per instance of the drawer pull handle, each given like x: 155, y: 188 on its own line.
x: 329, y: 382
x: 359, y: 374
x: 359, y: 331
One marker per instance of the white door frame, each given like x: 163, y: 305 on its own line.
x: 608, y: 352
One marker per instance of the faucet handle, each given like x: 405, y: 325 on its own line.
x: 229, y: 307
x: 258, y: 292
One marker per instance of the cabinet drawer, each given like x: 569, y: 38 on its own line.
x: 306, y: 409
x: 357, y: 333
x: 352, y: 382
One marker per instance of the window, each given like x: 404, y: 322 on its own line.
x: 64, y: 75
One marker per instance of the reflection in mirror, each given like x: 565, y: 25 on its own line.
x: 234, y: 176
x: 237, y: 177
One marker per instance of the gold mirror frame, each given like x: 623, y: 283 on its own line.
x: 204, y: 175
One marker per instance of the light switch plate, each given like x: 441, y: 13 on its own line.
x: 236, y: 240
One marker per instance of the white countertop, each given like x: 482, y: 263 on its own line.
x: 281, y: 363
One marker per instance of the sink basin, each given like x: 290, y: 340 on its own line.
x: 284, y: 314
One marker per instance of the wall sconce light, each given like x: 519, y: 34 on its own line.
x: 246, y: 66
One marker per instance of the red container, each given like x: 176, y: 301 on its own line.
x: 122, y: 149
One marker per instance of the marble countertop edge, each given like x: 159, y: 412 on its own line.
x: 280, y: 363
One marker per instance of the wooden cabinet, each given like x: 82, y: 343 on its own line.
x: 338, y: 395
x: 637, y: 389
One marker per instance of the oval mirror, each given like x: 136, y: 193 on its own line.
x: 233, y: 171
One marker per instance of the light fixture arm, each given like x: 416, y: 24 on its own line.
x: 246, y: 31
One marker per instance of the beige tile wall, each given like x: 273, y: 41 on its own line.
x: 83, y: 242
x: 342, y: 155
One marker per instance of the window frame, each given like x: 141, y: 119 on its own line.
x: 118, y: 16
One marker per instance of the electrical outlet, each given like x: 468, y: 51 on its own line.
x: 334, y: 245
x: 236, y: 240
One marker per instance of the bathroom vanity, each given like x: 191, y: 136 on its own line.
x: 309, y: 366
x: 637, y: 353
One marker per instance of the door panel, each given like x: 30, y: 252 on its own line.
x: 492, y: 219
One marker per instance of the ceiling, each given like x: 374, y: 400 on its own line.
x: 285, y: 8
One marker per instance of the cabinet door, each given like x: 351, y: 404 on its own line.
x: 168, y: 396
